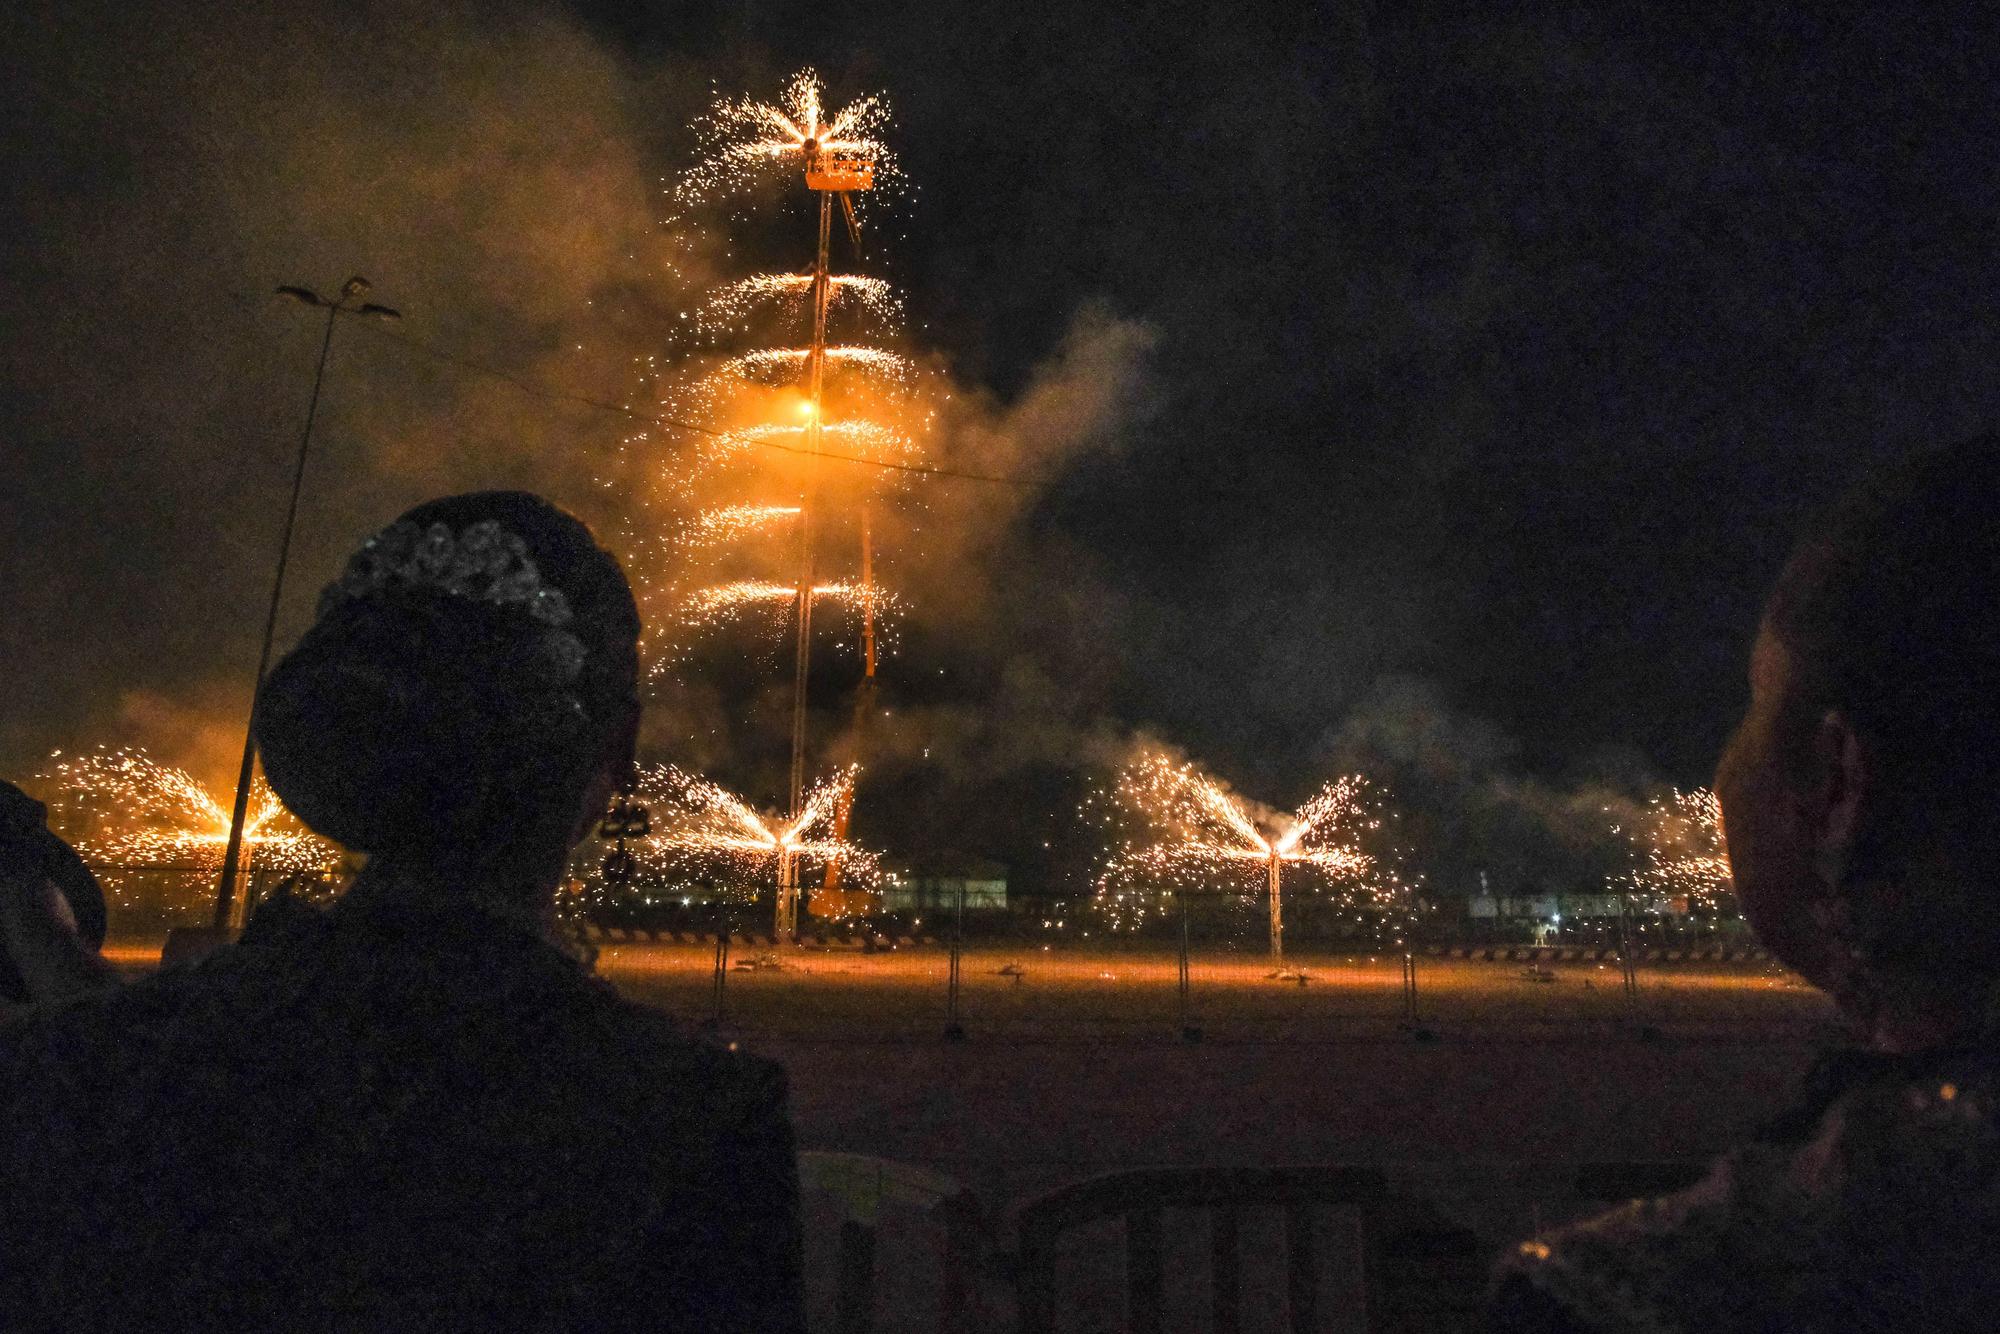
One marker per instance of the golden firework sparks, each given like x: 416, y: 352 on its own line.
x: 785, y: 365
x: 1201, y: 833
x: 731, y: 522
x: 1685, y: 857
x: 870, y: 440
x: 745, y: 140
x: 730, y: 307
x: 707, y: 605
x: 699, y: 825
x: 133, y: 813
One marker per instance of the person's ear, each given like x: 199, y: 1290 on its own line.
x: 1838, y: 803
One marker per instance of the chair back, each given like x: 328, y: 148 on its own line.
x: 930, y: 1227
x: 1142, y: 1196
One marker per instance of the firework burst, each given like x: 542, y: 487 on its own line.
x: 704, y: 832
x: 721, y: 600
x: 1195, y: 835
x: 136, y: 813
x: 733, y: 308
x: 729, y: 523
x: 770, y: 412
x: 746, y: 142
x: 1684, y: 855
x: 785, y: 365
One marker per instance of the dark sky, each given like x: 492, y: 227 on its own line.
x: 1378, y: 345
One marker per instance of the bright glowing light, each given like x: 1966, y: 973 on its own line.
x: 730, y: 522
x: 771, y: 409
x: 708, y: 604
x: 700, y: 828
x: 787, y: 364
x: 857, y: 439
x: 729, y: 307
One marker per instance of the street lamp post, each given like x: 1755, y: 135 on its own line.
x: 229, y: 905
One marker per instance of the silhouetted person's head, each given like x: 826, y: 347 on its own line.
x: 1861, y: 793
x: 466, y: 701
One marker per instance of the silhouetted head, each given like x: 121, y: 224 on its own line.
x: 1861, y: 793
x: 28, y: 848
x: 466, y: 700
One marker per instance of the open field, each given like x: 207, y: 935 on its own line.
x: 1030, y: 992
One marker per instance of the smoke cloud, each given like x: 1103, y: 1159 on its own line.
x: 496, y: 178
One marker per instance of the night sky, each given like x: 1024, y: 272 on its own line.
x: 1390, y: 372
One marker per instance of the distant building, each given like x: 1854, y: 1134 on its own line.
x: 1552, y: 907
x: 936, y: 888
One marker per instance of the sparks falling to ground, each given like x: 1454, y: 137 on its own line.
x: 1682, y: 844
x: 705, y: 834
x: 1196, y: 836
x: 125, y: 811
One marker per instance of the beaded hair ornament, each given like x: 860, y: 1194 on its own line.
x: 484, y: 563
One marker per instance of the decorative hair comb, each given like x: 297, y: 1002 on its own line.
x: 484, y: 563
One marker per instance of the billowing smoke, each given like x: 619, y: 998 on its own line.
x: 500, y: 180
x: 1471, y: 815
x: 167, y: 169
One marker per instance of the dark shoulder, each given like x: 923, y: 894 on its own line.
x: 1884, y: 1216
x: 661, y: 1049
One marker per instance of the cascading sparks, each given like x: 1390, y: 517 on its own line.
x: 126, y: 811
x: 1193, y: 834
x: 704, y: 833
x: 1685, y: 857
x: 739, y: 499
x: 746, y: 141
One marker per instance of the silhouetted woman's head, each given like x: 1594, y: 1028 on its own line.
x: 1861, y: 794
x: 467, y: 697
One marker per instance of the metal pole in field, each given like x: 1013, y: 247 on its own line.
x: 722, y: 928
x: 953, y: 1030
x: 1188, y: 1031
x: 1410, y: 922
x: 1626, y: 965
x: 228, y: 905
x: 788, y: 886
x: 1277, y: 913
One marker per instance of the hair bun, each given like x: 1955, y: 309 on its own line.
x: 349, y: 744
x: 388, y: 716
x: 456, y: 689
